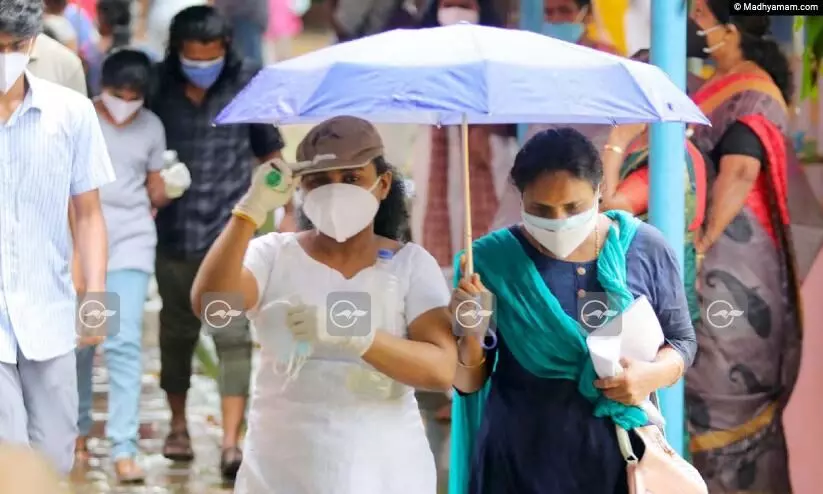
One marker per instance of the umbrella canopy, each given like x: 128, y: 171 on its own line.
x: 441, y: 75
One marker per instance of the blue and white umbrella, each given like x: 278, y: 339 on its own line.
x: 461, y: 74
x: 448, y: 75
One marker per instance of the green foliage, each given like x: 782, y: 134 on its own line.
x: 812, y: 53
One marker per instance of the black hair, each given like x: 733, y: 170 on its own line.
x: 553, y: 150
x: 127, y: 69
x: 392, y: 218
x: 115, y: 16
x: 642, y: 55
x: 758, y: 46
x: 200, y: 23
x: 23, y: 18
x: 583, y: 3
x: 488, y: 14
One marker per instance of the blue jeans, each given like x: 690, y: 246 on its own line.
x: 248, y: 38
x: 124, y: 360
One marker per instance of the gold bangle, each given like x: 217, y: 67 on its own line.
x: 475, y: 366
x: 616, y: 149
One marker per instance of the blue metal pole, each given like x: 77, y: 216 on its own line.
x: 531, y: 19
x: 667, y: 173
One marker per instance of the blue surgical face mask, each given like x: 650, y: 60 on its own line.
x: 564, y: 31
x: 202, y: 74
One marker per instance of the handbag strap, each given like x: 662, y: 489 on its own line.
x: 625, y: 444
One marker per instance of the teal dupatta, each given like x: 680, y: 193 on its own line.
x: 541, y: 336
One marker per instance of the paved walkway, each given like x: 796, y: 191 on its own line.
x: 200, y: 477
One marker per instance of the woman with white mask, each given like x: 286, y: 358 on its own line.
x: 136, y: 140
x: 345, y: 337
x: 539, y: 420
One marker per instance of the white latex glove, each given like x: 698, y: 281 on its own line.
x: 308, y: 323
x: 272, y: 186
x: 176, y: 179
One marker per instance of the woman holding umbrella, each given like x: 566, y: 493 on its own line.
x: 342, y: 418
x: 548, y: 422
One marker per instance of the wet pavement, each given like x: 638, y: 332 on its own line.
x: 202, y: 476
x: 164, y: 477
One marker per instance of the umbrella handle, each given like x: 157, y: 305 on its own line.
x: 467, y: 202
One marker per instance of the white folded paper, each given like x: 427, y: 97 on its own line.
x: 634, y: 334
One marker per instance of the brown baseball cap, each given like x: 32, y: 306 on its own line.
x: 339, y: 143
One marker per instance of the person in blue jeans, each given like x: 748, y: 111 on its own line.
x: 249, y: 19
x: 135, y: 139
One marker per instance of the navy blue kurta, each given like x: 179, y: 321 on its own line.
x: 539, y: 436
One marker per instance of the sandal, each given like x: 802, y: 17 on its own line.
x: 129, y: 472
x: 230, y: 461
x: 177, y: 446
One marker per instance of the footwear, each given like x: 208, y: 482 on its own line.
x: 177, y: 446
x: 230, y: 462
x: 128, y: 471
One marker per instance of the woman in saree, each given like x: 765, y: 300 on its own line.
x: 532, y: 417
x: 748, y: 363
x: 630, y: 174
x: 626, y: 186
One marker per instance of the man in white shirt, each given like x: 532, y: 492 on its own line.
x: 53, y: 154
x: 54, y: 62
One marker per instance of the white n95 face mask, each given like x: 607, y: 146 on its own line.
x: 341, y: 211
x: 562, y: 237
x: 120, y: 109
x: 455, y: 15
x: 12, y: 66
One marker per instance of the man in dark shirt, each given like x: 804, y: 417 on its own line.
x: 200, y: 75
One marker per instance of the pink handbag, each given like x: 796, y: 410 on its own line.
x: 661, y: 470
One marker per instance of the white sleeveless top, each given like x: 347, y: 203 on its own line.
x: 317, y: 434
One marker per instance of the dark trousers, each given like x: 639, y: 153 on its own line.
x: 180, y: 333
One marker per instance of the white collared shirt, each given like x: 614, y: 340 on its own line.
x: 52, y: 149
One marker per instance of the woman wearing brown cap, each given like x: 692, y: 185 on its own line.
x: 349, y: 319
